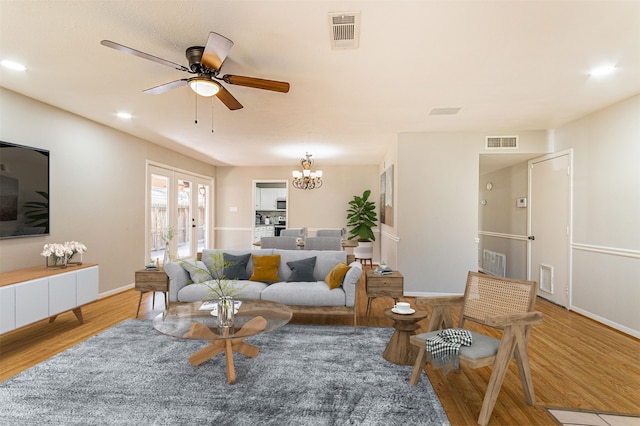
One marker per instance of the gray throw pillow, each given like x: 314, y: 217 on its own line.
x: 237, y: 268
x: 302, y: 270
x: 197, y: 271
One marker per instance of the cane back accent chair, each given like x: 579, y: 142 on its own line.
x: 497, y: 302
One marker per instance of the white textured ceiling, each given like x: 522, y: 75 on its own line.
x: 509, y: 65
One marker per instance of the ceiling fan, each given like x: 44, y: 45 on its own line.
x: 205, y: 62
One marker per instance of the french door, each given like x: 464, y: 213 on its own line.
x: 179, y: 207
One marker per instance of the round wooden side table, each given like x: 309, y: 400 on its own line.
x: 399, y: 350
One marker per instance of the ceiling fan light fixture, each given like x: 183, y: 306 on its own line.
x: 204, y: 86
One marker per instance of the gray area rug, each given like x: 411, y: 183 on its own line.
x: 303, y: 375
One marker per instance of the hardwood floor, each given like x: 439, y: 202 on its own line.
x: 575, y: 362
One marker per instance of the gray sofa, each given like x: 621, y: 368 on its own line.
x: 299, y: 294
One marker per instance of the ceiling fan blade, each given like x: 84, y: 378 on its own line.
x: 216, y: 51
x: 227, y: 98
x: 143, y: 55
x: 257, y: 83
x: 166, y: 87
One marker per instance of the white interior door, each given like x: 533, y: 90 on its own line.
x: 550, y: 225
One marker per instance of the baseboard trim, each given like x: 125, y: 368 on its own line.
x: 116, y: 291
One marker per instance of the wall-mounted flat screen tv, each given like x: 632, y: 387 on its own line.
x: 24, y: 191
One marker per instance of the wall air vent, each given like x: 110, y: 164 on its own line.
x: 499, y: 142
x: 345, y: 30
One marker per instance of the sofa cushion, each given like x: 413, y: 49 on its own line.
x: 236, y: 266
x: 197, y: 292
x: 302, y: 270
x: 325, y: 261
x: 197, y: 270
x: 265, y: 268
x: 335, y: 277
x: 315, y: 293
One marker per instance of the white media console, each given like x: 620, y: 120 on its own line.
x: 33, y: 294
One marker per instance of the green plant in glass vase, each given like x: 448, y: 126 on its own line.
x: 223, y: 289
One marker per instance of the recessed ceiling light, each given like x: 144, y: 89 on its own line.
x: 602, y: 71
x: 124, y: 115
x: 13, y: 65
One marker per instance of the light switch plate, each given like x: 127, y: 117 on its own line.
x: 521, y: 202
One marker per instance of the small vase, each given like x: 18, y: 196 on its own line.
x: 167, y: 256
x: 225, y: 315
x: 56, y: 262
x: 75, y: 259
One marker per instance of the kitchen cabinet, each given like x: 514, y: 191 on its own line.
x: 266, y: 197
x: 263, y: 231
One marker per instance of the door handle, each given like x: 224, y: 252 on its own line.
x: 531, y: 237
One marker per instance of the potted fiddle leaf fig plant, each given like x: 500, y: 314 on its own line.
x: 362, y: 217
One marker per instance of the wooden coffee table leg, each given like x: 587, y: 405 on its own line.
x: 231, y: 369
x: 208, y: 352
x: 229, y: 346
x: 245, y: 349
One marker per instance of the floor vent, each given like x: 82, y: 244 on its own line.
x: 345, y: 30
x: 546, y: 278
x: 494, y: 263
x: 498, y: 142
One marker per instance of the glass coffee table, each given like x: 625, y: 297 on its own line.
x: 187, y: 321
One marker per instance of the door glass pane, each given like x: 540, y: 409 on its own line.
x: 185, y: 218
x: 202, y: 223
x: 159, y: 218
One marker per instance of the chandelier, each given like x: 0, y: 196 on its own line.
x: 306, y: 179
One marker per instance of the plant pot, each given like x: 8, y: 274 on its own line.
x: 364, y: 251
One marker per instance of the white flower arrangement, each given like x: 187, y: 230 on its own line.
x: 75, y: 246
x: 56, y: 250
x: 60, y: 254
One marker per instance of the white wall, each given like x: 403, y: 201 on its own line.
x: 97, y: 187
x: 606, y: 213
x: 438, y: 206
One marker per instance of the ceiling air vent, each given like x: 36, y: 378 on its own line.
x: 345, y: 30
x: 497, y: 142
x: 444, y: 111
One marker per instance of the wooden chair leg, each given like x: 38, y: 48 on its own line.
x: 500, y: 367
x: 522, y: 359
x: 421, y: 359
x: 440, y: 318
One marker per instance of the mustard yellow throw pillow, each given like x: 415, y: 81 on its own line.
x: 335, y: 277
x: 265, y: 268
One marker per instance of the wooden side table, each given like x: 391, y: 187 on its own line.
x: 152, y: 281
x: 389, y: 285
x: 399, y: 350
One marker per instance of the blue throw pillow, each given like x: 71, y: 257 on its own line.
x: 236, y: 268
x: 302, y: 270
